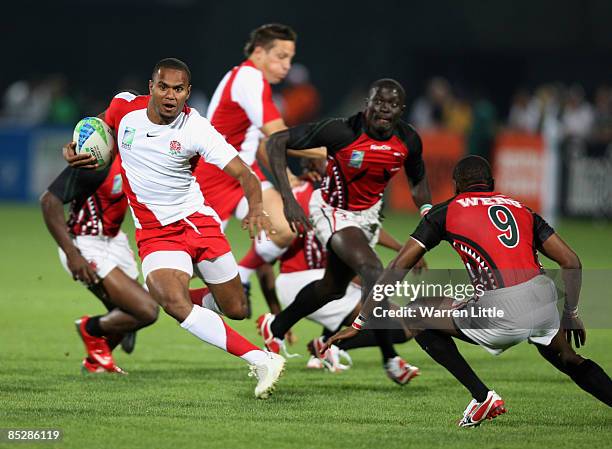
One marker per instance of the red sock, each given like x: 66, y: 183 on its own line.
x: 197, y: 294
x: 236, y: 344
x: 251, y: 259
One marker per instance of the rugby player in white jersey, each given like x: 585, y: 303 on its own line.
x: 159, y: 140
x: 242, y: 109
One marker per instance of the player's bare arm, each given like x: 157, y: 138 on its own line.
x: 277, y: 152
x: 257, y: 219
x: 421, y: 194
x: 571, y: 272
x: 53, y: 214
x: 407, y: 258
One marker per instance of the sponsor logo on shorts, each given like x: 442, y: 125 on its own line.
x: 128, y: 138
x: 356, y: 159
x: 175, y: 147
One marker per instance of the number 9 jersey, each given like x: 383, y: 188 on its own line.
x: 496, y: 236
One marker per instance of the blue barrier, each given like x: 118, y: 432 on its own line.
x: 30, y: 158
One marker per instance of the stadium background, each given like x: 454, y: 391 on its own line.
x: 63, y: 60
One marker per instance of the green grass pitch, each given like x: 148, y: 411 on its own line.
x: 184, y: 394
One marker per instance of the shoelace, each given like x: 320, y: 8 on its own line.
x: 253, y: 371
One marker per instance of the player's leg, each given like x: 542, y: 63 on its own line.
x: 436, y: 338
x: 273, y: 204
x: 135, y: 307
x: 221, y: 276
x: 587, y: 374
x: 169, y: 287
x: 353, y: 247
x: 266, y: 250
x: 314, y: 295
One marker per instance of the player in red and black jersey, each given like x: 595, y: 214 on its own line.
x: 364, y: 152
x: 303, y: 263
x: 94, y: 250
x: 497, y: 238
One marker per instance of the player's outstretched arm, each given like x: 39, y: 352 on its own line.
x: 53, y: 214
x: 571, y: 272
x: 257, y: 219
x: 277, y: 154
x: 278, y: 125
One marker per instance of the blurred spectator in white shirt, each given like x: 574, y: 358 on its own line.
x: 524, y: 112
x: 578, y: 117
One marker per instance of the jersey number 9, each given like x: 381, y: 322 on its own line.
x: 503, y: 220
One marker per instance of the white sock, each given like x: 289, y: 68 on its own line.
x: 209, y: 327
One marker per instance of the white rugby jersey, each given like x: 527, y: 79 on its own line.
x: 240, y: 106
x: 156, y: 160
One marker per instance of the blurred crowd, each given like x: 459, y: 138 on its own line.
x: 566, y: 108
x: 442, y: 106
x: 48, y: 101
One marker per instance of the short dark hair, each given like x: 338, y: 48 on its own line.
x: 172, y: 63
x: 388, y: 83
x: 265, y: 35
x: 473, y: 170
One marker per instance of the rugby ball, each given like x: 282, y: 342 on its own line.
x: 93, y: 136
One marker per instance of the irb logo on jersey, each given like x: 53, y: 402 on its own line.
x: 128, y: 138
x: 117, y: 184
x: 356, y: 159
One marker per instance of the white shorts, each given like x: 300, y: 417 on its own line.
x: 217, y: 271
x: 530, y: 313
x: 326, y: 220
x: 242, y: 209
x: 105, y: 253
x: 331, y: 315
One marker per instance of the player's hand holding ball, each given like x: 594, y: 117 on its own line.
x: 92, y: 146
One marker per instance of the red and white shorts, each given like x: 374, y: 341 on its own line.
x: 225, y: 195
x: 196, y: 240
x: 327, y: 220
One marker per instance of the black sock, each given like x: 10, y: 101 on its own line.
x: 366, y: 338
x: 92, y: 327
x: 385, y: 343
x: 327, y: 333
x: 305, y: 303
x: 443, y: 350
x: 591, y: 377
